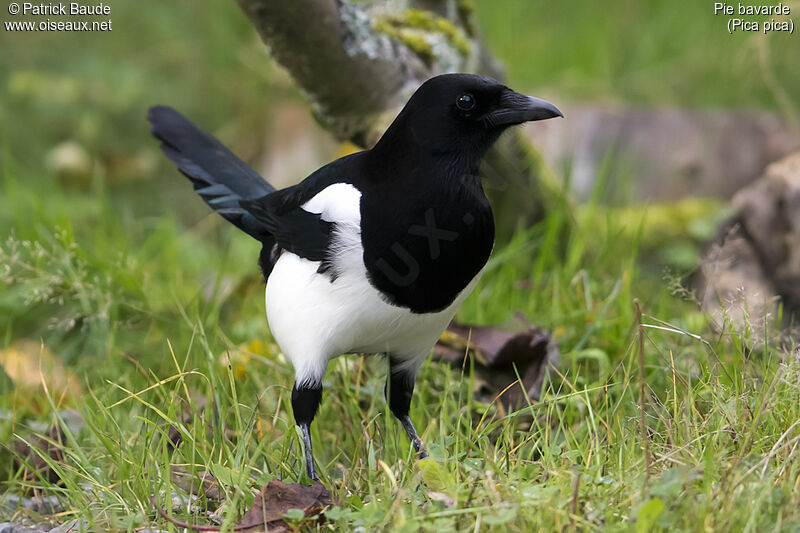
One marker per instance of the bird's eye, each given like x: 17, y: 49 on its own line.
x: 466, y: 102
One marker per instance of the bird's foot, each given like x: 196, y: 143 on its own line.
x: 411, y: 431
x: 422, y: 453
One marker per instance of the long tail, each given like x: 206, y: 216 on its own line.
x: 219, y: 177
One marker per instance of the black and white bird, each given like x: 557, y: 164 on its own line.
x: 373, y: 252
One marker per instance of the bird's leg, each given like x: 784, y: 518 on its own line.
x: 411, y: 431
x: 399, y: 389
x: 310, y: 470
x: 305, y: 402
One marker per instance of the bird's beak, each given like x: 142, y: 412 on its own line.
x: 516, y: 108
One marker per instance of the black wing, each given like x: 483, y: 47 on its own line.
x: 237, y: 192
x: 293, y: 228
x: 219, y: 177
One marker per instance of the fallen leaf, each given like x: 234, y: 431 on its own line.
x: 276, y: 499
x: 30, y: 364
x: 31, y: 455
x: 276, y: 502
x: 497, y: 354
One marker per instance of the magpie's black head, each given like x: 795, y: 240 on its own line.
x: 462, y: 114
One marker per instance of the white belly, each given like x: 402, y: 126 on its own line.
x: 314, y: 319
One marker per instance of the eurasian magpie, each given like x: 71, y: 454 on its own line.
x: 373, y: 252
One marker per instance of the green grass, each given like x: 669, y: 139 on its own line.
x: 157, y: 308
x: 721, y: 419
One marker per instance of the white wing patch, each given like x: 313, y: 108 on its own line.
x: 340, y: 202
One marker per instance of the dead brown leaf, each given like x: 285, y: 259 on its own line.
x: 274, y: 500
x: 497, y: 354
x: 31, y: 458
x: 269, y: 508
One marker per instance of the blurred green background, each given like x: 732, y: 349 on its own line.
x: 95, y: 88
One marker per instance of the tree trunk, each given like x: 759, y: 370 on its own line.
x: 358, y: 63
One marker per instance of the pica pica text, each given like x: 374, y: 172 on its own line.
x: 374, y: 252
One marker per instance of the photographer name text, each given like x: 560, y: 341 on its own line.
x: 40, y: 14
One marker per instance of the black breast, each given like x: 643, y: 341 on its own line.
x: 424, y: 244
